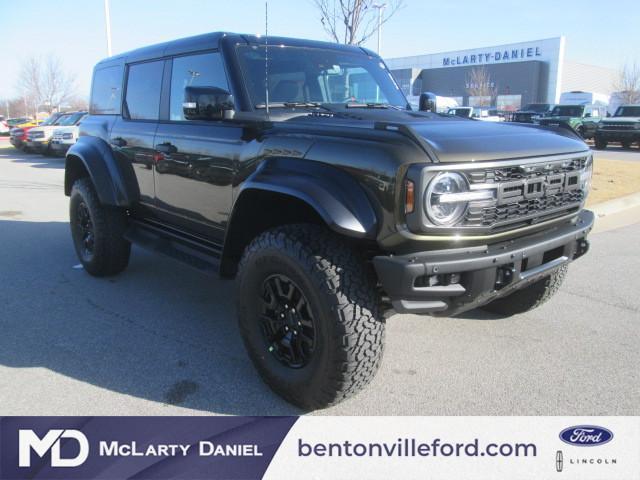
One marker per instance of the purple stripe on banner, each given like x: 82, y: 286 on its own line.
x: 139, y: 447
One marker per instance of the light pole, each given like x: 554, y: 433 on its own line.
x: 107, y: 16
x: 380, y: 7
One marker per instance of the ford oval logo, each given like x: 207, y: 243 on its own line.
x: 586, y: 436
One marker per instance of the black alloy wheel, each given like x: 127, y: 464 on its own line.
x: 287, y: 322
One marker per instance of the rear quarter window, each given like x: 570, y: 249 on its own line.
x: 106, y: 91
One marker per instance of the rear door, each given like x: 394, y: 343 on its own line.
x: 196, y: 159
x: 133, y: 133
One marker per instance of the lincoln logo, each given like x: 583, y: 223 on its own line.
x: 586, y: 436
x: 28, y: 440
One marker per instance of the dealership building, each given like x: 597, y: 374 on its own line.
x: 513, y: 74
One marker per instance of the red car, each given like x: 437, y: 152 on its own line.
x: 19, y: 137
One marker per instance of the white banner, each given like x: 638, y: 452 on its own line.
x: 468, y: 448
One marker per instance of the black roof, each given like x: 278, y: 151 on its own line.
x: 208, y: 41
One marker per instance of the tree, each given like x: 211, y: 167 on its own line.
x: 628, y: 83
x: 353, y: 21
x: 480, y: 84
x: 44, y: 83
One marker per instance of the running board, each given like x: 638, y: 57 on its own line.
x: 201, y: 255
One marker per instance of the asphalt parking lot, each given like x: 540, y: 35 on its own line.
x: 161, y: 338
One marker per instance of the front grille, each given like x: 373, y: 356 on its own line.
x: 526, y: 193
x: 497, y: 215
x: 617, y: 126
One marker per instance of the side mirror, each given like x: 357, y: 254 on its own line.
x: 427, y: 102
x: 587, y: 115
x: 207, y: 103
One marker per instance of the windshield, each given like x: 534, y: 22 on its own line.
x: 536, y: 107
x: 50, y: 120
x: 567, y: 111
x: 315, y: 75
x: 70, y: 119
x: 61, y: 119
x: 628, y: 111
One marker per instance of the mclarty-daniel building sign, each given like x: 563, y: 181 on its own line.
x: 491, y: 57
x: 542, y: 58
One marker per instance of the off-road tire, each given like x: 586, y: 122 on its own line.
x: 529, y: 297
x: 110, y: 252
x: 342, y: 295
x: 600, y: 143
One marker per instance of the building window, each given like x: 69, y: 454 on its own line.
x: 480, y: 101
x: 509, y: 103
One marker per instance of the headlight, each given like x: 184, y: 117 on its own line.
x: 443, y: 204
x: 585, y: 177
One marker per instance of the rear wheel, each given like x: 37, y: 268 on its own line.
x: 97, y: 231
x: 529, y: 297
x: 308, y: 315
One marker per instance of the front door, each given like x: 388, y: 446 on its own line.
x: 195, y: 160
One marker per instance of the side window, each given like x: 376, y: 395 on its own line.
x: 143, y: 90
x: 203, y: 70
x: 106, y: 91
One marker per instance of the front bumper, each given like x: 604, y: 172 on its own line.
x: 619, y: 135
x: 447, y: 282
x: 60, y: 147
x: 17, y: 142
x: 37, y: 146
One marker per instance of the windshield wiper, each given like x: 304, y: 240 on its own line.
x: 373, y: 105
x: 293, y: 105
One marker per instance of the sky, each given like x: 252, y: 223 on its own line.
x: 598, y: 32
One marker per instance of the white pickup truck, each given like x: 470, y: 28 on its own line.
x: 477, y: 113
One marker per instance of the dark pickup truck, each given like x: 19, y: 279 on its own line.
x: 299, y: 168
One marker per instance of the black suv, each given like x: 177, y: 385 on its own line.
x: 532, y: 112
x: 299, y: 169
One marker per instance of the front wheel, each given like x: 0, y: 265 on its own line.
x: 308, y: 315
x: 97, y: 231
x: 529, y: 297
x: 600, y: 143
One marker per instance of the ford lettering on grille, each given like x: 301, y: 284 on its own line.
x: 517, y: 190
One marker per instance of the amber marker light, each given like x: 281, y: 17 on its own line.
x: 410, y: 199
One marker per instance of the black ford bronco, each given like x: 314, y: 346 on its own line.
x: 299, y: 169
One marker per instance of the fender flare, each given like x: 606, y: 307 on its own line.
x: 335, y: 195
x: 114, y: 184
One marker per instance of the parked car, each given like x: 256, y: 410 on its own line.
x: 21, y: 122
x: 477, y: 113
x: 532, y: 112
x: 39, y: 138
x: 623, y: 127
x: 67, y: 133
x: 20, y: 135
x: 331, y: 202
x: 582, y: 119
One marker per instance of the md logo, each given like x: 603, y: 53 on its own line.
x: 28, y: 441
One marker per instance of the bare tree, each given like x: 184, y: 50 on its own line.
x: 628, y: 83
x: 480, y: 84
x: 353, y: 21
x: 45, y: 83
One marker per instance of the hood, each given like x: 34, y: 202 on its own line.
x: 71, y: 128
x: 453, y: 139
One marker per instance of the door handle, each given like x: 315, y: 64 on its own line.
x: 119, y: 142
x: 166, y: 147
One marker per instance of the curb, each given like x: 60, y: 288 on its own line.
x: 616, y: 205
